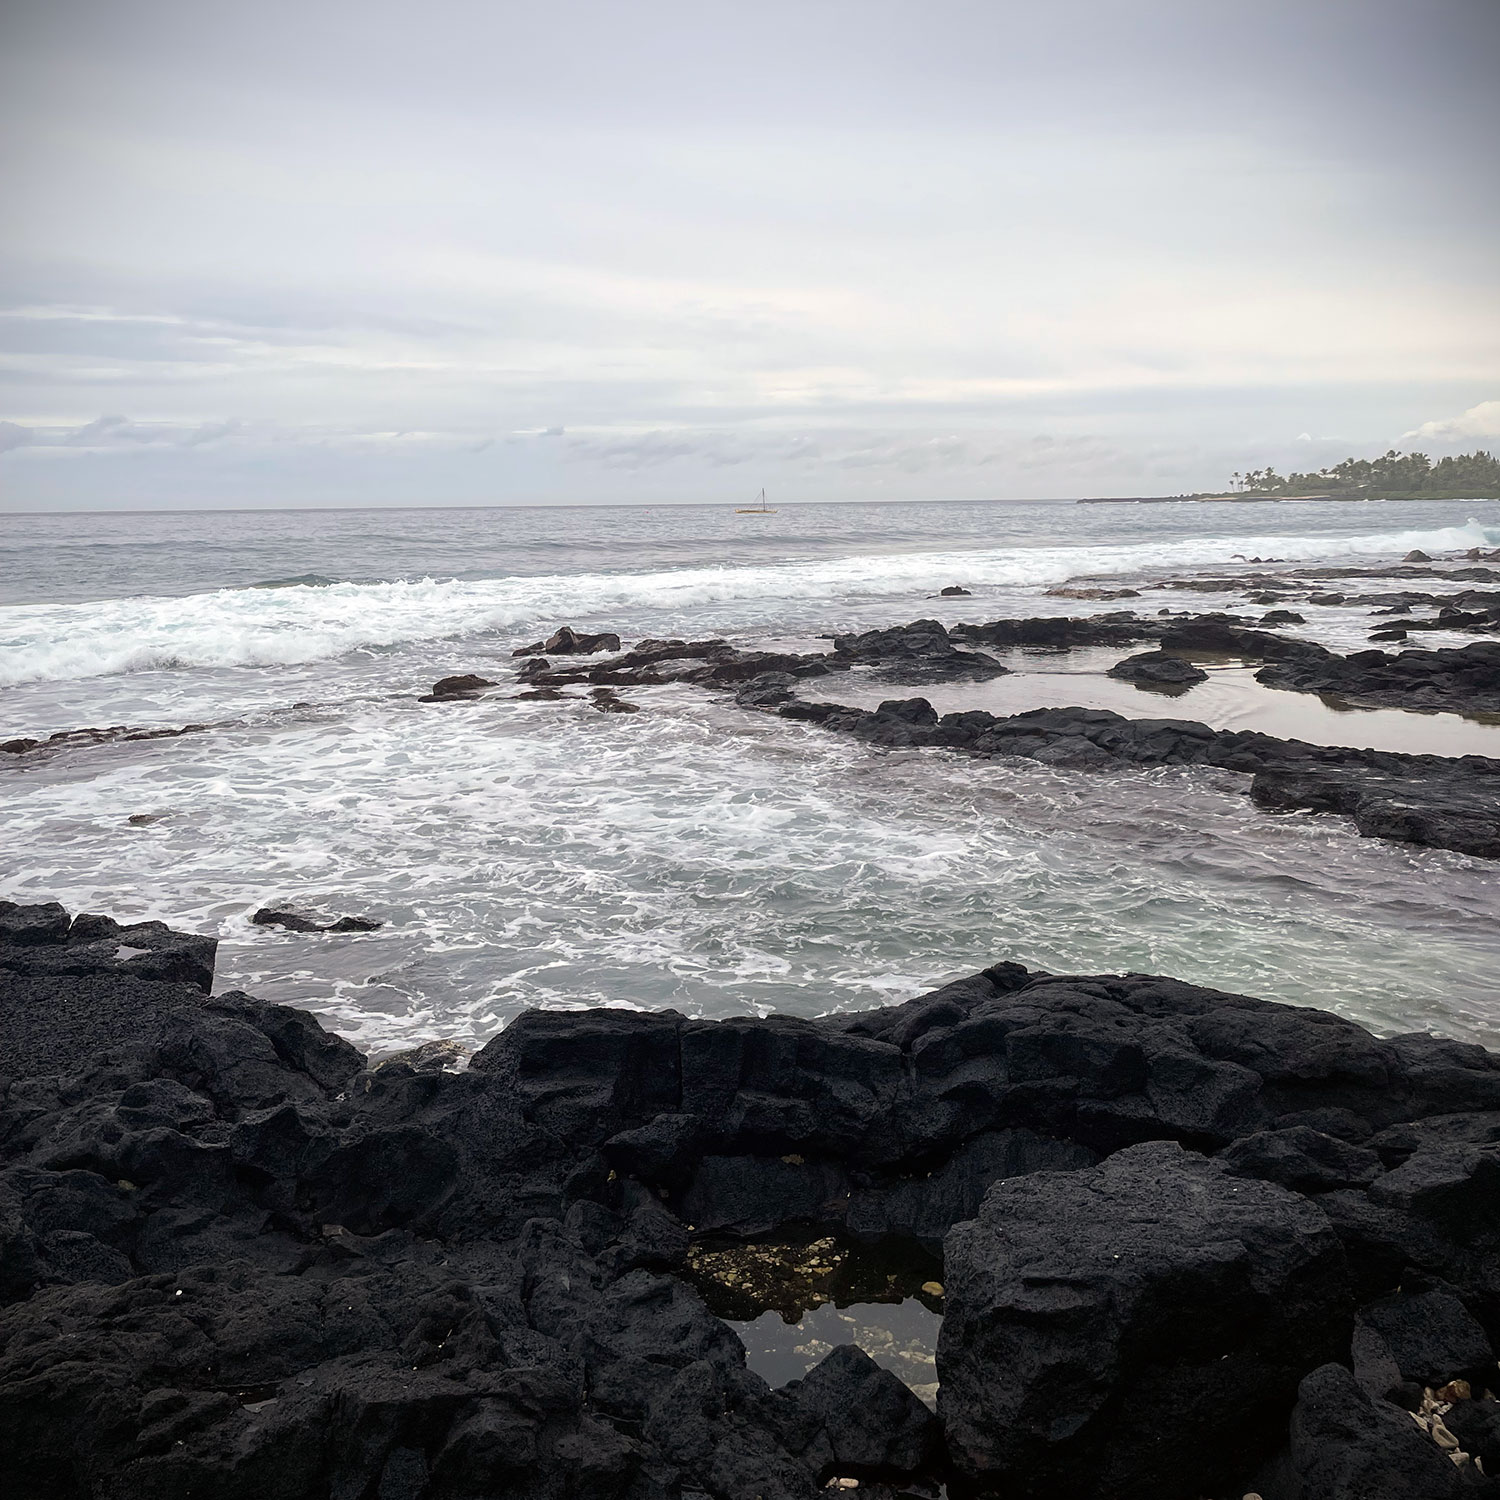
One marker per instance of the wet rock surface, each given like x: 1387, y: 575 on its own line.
x: 293, y: 921
x: 1460, y: 679
x: 451, y: 689
x: 1158, y: 669
x: 923, y: 651
x: 239, y: 1261
x: 71, y: 739
x: 565, y: 641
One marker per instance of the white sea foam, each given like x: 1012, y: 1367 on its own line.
x: 250, y: 627
x: 724, y: 863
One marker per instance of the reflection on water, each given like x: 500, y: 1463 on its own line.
x: 1230, y: 699
x: 900, y: 1336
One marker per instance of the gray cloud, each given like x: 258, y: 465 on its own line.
x: 981, y: 244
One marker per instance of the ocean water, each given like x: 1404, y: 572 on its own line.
x: 693, y: 855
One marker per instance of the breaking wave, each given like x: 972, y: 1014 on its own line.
x: 311, y: 618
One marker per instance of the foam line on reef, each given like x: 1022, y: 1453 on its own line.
x: 302, y: 622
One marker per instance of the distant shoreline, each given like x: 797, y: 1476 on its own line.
x: 1245, y: 496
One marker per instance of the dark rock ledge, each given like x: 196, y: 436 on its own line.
x: 1194, y: 1244
x: 1432, y: 800
x: 1438, y: 801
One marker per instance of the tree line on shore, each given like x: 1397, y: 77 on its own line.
x: 1393, y: 476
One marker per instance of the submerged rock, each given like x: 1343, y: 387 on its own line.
x: 67, y: 739
x: 607, y: 701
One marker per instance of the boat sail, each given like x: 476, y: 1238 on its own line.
x: 760, y: 508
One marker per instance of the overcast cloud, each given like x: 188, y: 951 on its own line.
x: 343, y: 253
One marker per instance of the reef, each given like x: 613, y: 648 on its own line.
x: 1192, y: 1243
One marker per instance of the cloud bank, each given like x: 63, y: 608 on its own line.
x: 372, y: 253
x: 1481, y: 421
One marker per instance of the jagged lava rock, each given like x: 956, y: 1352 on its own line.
x: 920, y: 652
x: 1158, y: 669
x: 1347, y: 1445
x: 1136, y: 1329
x: 565, y: 641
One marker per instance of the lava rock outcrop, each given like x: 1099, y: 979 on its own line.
x: 238, y: 1260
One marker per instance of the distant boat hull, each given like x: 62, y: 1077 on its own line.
x: 760, y: 508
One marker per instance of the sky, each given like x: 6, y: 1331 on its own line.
x: 356, y: 252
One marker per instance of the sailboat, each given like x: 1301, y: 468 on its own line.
x: 760, y: 508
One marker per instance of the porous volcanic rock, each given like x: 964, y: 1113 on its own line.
x: 923, y: 651
x: 238, y: 1260
x: 1134, y: 1330
x: 293, y: 921
x: 1432, y: 800
x: 68, y: 739
x: 1347, y: 1445
x: 1459, y: 679
x: 565, y: 641
x: 468, y: 685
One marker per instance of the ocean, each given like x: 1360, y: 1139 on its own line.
x: 693, y: 855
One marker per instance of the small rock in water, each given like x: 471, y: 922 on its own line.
x: 294, y: 922
x: 141, y: 820
x: 953, y: 591
x: 439, y: 1056
x: 1158, y: 669
x: 566, y: 641
x: 608, y: 702
x: 1416, y: 555
x: 467, y: 685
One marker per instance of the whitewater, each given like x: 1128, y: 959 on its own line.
x: 286, y: 622
x: 525, y: 853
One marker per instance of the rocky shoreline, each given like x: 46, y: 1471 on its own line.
x: 1192, y: 1243
x: 1444, y: 802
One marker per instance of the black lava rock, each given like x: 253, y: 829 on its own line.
x: 1133, y: 1330
x: 234, y: 1258
x: 1157, y: 669
x: 1347, y: 1445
